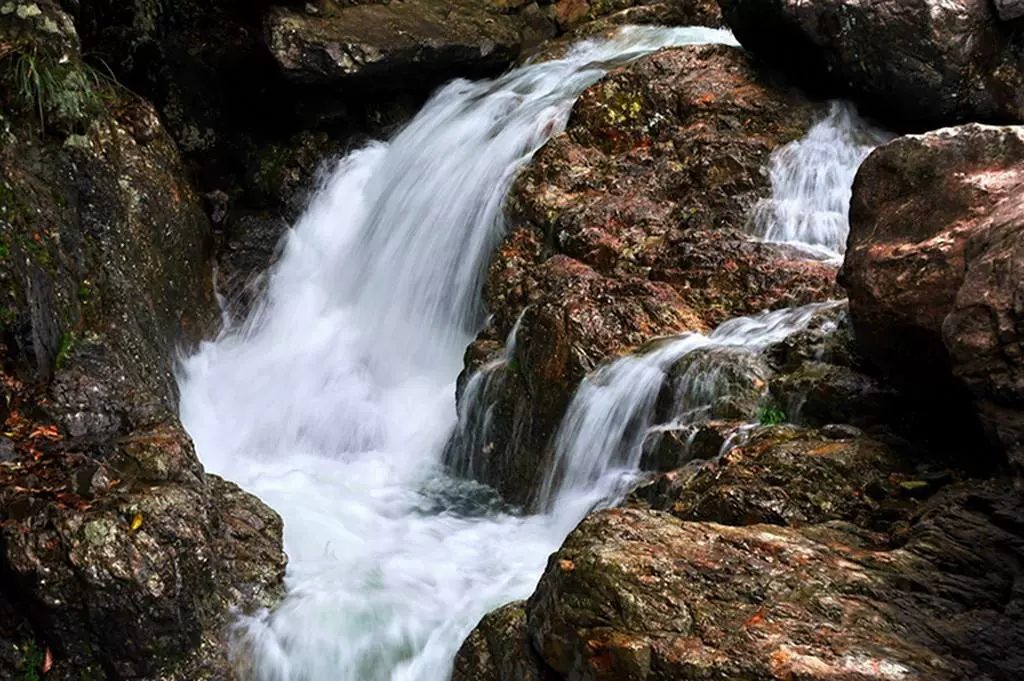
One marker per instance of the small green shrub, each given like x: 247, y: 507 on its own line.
x: 58, y: 89
x: 771, y: 415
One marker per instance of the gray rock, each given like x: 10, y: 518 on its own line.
x: 1009, y: 9
x: 912, y: 63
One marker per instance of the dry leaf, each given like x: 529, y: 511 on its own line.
x: 136, y: 522
x: 47, y: 662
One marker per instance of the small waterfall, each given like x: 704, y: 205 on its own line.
x: 599, y: 444
x: 812, y: 179
x: 334, y: 400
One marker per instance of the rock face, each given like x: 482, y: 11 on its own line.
x: 626, y: 227
x: 118, y: 554
x: 499, y: 649
x: 913, y: 63
x: 784, y: 475
x: 406, y: 41
x: 636, y: 594
x: 937, y: 234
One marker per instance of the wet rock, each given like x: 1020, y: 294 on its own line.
x: 638, y: 594
x: 628, y: 228
x: 784, y: 475
x: 668, y: 447
x: 141, y: 579
x: 118, y: 554
x: 1009, y: 10
x: 936, y: 230
x: 499, y: 649
x: 912, y: 63
x: 409, y: 41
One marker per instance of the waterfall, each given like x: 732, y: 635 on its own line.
x: 598, y: 445
x: 812, y: 181
x: 333, y: 401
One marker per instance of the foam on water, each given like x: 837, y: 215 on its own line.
x: 333, y: 401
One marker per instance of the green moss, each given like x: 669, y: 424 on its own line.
x: 64, y: 350
x: 771, y: 415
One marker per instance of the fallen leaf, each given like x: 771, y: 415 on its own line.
x: 136, y: 522
x: 757, y: 618
x: 47, y: 662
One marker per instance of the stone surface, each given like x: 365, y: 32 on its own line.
x: 406, y: 41
x: 637, y: 594
x: 627, y: 227
x: 118, y: 554
x: 499, y: 649
x: 913, y: 63
x: 1009, y: 10
x: 785, y: 475
x: 937, y: 235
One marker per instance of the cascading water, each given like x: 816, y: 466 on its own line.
x: 333, y: 401
x: 598, y: 445
x: 812, y: 180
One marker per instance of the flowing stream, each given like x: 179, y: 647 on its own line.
x: 333, y: 401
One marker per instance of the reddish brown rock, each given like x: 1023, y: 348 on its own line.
x: 628, y: 227
x: 784, y: 475
x: 638, y: 594
x: 933, y: 268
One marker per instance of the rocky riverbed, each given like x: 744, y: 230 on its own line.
x: 839, y: 501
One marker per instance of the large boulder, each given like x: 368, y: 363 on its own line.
x: 119, y: 556
x: 640, y: 595
x: 932, y: 270
x: 913, y: 63
x: 626, y: 227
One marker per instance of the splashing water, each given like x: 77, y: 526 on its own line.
x: 333, y: 401
x: 598, y: 445
x: 812, y: 180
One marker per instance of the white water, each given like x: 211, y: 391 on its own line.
x: 812, y: 181
x: 332, y: 403
x: 598, y: 446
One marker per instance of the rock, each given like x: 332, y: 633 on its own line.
x: 936, y: 230
x: 637, y: 594
x: 912, y: 63
x: 784, y: 475
x: 117, y: 552
x: 410, y: 41
x: 1009, y: 10
x: 499, y: 649
x: 627, y: 227
x: 144, y: 580
x: 203, y: 64
x: 668, y: 447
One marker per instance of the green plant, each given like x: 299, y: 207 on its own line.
x: 771, y: 415
x: 31, y: 661
x: 57, y: 88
